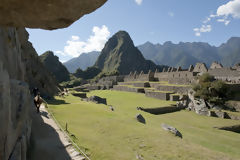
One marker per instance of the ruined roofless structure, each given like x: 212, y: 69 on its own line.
x: 188, y: 76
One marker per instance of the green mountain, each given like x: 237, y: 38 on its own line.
x: 184, y: 54
x: 52, y: 63
x: 120, y: 54
x: 83, y: 61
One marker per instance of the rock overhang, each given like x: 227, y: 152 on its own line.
x: 45, y: 14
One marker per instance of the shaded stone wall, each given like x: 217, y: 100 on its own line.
x: 15, y: 98
x: 128, y: 89
x: 158, y: 95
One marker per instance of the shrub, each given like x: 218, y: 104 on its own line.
x: 211, y: 90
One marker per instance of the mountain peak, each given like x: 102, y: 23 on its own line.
x: 51, y: 62
x: 120, y: 54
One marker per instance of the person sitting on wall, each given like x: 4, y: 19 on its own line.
x: 38, y: 100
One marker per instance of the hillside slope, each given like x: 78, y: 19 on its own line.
x: 120, y: 54
x: 83, y: 61
x: 54, y: 66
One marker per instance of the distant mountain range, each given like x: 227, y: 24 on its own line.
x: 120, y: 50
x: 184, y: 54
x: 119, y: 54
x: 83, y: 61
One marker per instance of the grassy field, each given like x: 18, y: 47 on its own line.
x: 107, y: 135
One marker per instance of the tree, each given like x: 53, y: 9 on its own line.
x: 211, y: 90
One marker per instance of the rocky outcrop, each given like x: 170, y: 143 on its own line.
x: 172, y: 130
x: 36, y: 74
x: 97, y: 100
x: 53, y: 65
x: 15, y: 98
x: 45, y: 14
x: 140, y: 118
x: 20, y: 67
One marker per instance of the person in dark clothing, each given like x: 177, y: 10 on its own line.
x: 35, y: 91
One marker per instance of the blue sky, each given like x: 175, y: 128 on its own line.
x: 157, y: 21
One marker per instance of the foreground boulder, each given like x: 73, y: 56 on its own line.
x: 140, y: 118
x: 45, y: 14
x: 97, y: 100
x: 197, y: 105
x: 172, y: 130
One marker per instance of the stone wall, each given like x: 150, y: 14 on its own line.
x: 158, y: 94
x: 215, y: 65
x: 176, y: 89
x: 226, y: 74
x: 128, y: 89
x: 200, y: 67
x: 15, y: 98
x: 177, y: 77
x: 19, y: 63
x: 139, y: 76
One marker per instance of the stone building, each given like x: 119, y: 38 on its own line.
x: 188, y: 76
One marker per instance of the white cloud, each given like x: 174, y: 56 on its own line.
x: 223, y: 14
x: 202, y: 29
x: 139, y: 2
x: 231, y: 8
x: 225, y: 21
x: 171, y: 14
x: 74, y: 47
x: 75, y: 38
x: 208, y: 19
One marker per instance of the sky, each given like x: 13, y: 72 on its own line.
x: 156, y: 21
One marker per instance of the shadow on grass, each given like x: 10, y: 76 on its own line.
x: 57, y: 102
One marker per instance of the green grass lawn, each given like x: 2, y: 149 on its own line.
x: 107, y: 135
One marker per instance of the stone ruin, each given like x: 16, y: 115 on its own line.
x: 140, y: 77
x: 188, y: 76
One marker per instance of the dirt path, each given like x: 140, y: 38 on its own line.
x: 48, y: 142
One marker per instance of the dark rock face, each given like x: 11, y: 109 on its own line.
x: 45, y: 14
x: 52, y: 63
x: 15, y: 98
x: 120, y: 54
x: 140, y: 118
x: 172, y: 130
x: 36, y: 75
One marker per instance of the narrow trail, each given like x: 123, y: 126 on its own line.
x: 48, y: 141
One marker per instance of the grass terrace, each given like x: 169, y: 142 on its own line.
x: 107, y: 135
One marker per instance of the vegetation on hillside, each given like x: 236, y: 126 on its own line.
x: 73, y: 82
x: 52, y: 63
x: 89, y: 73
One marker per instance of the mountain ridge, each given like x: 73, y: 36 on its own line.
x: 186, y: 53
